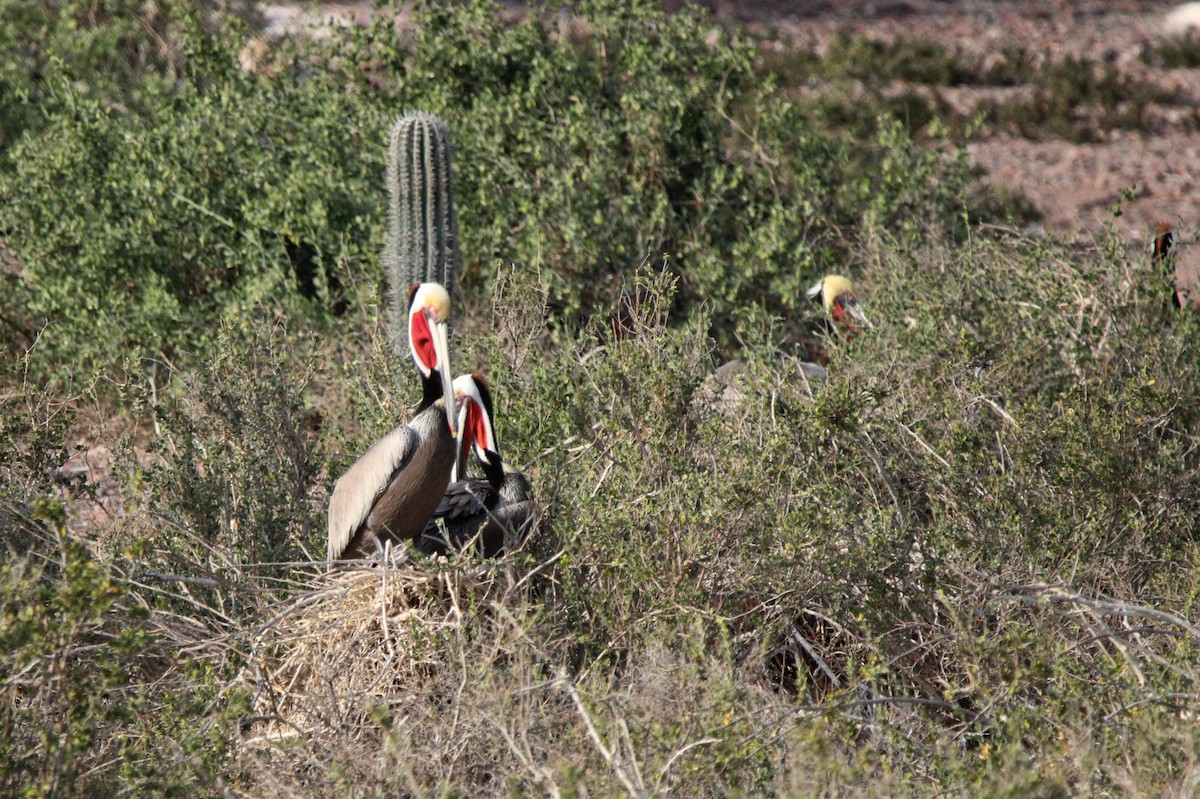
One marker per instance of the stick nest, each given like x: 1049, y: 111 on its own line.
x: 355, y: 639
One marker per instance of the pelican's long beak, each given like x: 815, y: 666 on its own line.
x: 441, y: 347
x: 856, y: 311
x: 460, y: 458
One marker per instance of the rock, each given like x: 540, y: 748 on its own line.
x: 1182, y: 19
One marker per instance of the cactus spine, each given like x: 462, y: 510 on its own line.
x: 422, y: 244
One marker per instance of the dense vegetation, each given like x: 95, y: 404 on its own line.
x: 965, y: 563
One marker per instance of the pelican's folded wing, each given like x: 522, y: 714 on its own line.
x: 357, y: 491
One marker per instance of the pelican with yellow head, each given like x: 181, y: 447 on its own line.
x: 836, y: 293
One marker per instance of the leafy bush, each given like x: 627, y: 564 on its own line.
x: 627, y: 136
x: 1178, y: 53
x: 119, y: 54
x: 135, y: 231
x: 856, y: 78
x: 1078, y: 99
x: 79, y: 654
x: 963, y: 562
x: 873, y: 61
x: 235, y: 466
x: 95, y: 696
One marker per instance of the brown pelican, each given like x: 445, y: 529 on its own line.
x: 496, y: 512
x: 837, y: 295
x: 391, y: 491
x: 1163, y: 256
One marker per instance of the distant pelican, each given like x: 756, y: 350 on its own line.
x: 836, y: 293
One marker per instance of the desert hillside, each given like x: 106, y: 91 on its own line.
x: 859, y: 423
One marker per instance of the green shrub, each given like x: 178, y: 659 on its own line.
x: 627, y: 136
x: 119, y: 54
x: 1079, y: 100
x: 136, y: 232
x: 79, y: 654
x: 234, y: 460
x: 872, y: 61
x: 1178, y: 53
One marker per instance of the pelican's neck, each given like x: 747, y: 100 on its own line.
x: 494, y: 470
x: 431, y: 389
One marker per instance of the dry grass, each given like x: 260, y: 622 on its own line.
x: 947, y: 562
x: 402, y: 676
x: 339, y: 648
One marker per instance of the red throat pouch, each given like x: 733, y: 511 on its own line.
x: 478, y: 429
x: 842, y: 317
x: 423, y: 340
x: 474, y: 431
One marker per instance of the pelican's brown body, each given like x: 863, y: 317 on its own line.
x: 496, y: 514
x: 412, y: 464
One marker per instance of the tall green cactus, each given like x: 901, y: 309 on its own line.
x: 422, y: 244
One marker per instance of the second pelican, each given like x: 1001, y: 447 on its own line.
x: 498, y: 511
x: 836, y: 293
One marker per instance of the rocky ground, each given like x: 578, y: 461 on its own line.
x: 1072, y: 185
